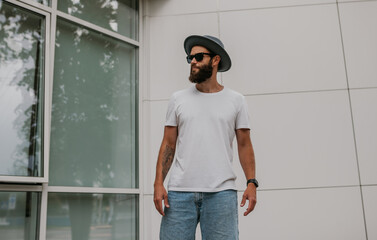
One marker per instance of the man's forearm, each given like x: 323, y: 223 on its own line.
x: 167, y: 160
x: 247, y: 159
x: 246, y: 152
x: 164, y: 162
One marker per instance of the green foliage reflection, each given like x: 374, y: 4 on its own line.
x: 94, y: 110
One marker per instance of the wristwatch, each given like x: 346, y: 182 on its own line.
x: 253, y: 180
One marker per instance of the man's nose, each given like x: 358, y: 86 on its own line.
x: 194, y: 60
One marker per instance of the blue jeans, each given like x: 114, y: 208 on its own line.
x: 216, y: 212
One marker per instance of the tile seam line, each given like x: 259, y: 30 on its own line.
x: 276, y: 7
x: 370, y: 185
x: 278, y: 93
x: 244, y: 9
x: 255, y: 8
x: 219, y: 32
x: 302, y: 188
x: 305, y: 188
x: 355, y: 1
x: 295, y: 92
x: 310, y: 91
x: 352, y: 119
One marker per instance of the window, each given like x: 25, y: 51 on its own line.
x: 119, y: 16
x: 69, y: 105
x: 22, y: 51
x: 19, y: 215
x: 92, y: 216
x: 93, y: 110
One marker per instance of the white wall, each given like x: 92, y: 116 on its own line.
x: 308, y: 71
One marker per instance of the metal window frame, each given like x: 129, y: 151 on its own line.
x: 20, y: 188
x: 34, y: 4
x: 65, y: 189
x: 141, y: 86
x: 46, y: 81
x: 40, y: 184
x: 97, y: 28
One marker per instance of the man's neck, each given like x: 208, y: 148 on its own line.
x: 210, y: 85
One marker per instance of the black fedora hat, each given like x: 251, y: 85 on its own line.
x: 213, y: 44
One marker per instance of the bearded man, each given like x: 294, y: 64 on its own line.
x: 201, y: 123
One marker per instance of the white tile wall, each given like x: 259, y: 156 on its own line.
x: 156, y: 124
x: 169, y: 70
x: 303, y: 140
x: 370, y: 199
x: 365, y: 122
x: 359, y: 31
x: 283, y: 49
x: 145, y: 145
x: 310, y: 214
x: 249, y: 4
x: 342, y: 1
x: 174, y: 7
x: 304, y: 136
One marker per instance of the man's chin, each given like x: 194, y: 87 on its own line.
x: 198, y: 81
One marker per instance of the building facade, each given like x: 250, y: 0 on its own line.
x: 84, y: 87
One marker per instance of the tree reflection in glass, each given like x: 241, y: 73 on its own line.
x: 80, y: 216
x: 21, y: 86
x: 120, y: 16
x: 93, y: 130
x: 44, y: 2
x: 19, y: 215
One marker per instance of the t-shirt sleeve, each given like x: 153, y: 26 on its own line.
x: 171, y: 116
x: 242, y: 120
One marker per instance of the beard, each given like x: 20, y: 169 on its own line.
x: 202, y: 75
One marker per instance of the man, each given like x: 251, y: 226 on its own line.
x: 201, y: 123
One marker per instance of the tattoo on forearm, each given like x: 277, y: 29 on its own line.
x: 167, y: 160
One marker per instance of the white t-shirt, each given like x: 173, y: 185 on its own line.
x: 206, y: 129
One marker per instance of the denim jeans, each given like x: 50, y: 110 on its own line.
x: 216, y: 212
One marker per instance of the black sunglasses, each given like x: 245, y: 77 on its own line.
x: 199, y: 56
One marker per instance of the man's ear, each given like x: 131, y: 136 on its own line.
x: 216, y: 60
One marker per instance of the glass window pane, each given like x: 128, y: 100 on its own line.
x: 44, y: 2
x: 93, y: 131
x: 21, y: 91
x: 79, y: 216
x: 19, y: 215
x: 120, y: 16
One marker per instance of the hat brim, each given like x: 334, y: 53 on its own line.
x: 196, y: 40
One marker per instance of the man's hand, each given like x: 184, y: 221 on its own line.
x: 159, y: 195
x: 251, y: 195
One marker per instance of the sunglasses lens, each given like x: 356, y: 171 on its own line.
x: 189, y: 58
x: 199, y: 57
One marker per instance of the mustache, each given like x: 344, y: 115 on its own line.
x: 194, y: 66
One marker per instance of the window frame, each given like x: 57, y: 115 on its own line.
x: 46, y: 103
x: 40, y: 184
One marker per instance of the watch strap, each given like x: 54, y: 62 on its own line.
x: 253, y: 180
